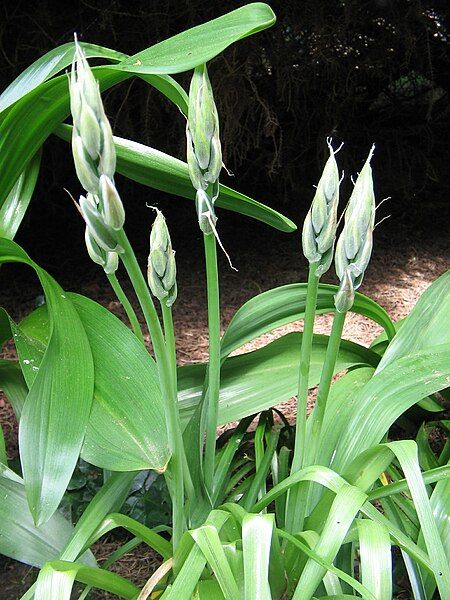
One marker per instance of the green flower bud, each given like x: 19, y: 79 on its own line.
x: 83, y: 165
x: 113, y: 211
x: 354, y: 246
x: 205, y: 211
x: 89, y: 131
x: 108, y: 151
x: 161, y: 272
x: 345, y: 296
x: 204, y: 154
x: 112, y: 263
x: 95, y: 252
x: 319, y: 228
x: 102, y: 234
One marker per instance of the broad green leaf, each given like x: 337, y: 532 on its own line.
x: 425, y: 327
x: 376, y: 559
x: 200, y: 44
x: 388, y: 395
x: 56, y: 411
x: 126, y: 430
x: 257, y: 533
x: 15, y: 206
x: 57, y: 577
x: 345, y: 506
x: 257, y: 380
x: 164, y: 172
x: 47, y: 66
x: 286, y: 304
x: 13, y: 384
x: 20, y: 539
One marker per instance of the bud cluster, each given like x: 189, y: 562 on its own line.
x: 354, y: 246
x: 204, y: 154
x: 95, y: 163
x: 161, y: 272
x: 319, y: 228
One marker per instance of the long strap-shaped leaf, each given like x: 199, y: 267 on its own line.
x: 286, y: 304
x: 57, y: 577
x: 56, y: 411
x: 376, y: 559
x: 257, y: 531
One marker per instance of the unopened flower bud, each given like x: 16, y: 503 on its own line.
x: 345, y: 296
x: 205, y: 210
x: 108, y: 151
x: 161, y: 272
x: 319, y: 228
x: 354, y: 246
x: 86, y: 173
x: 112, y: 207
x: 102, y: 233
x: 90, y: 131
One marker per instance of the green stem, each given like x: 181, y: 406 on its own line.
x: 121, y: 296
x: 305, y: 361
x: 175, y: 468
x: 295, y: 503
x: 212, y: 394
x: 172, y: 360
x: 324, y: 385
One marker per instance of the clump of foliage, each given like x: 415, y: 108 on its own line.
x: 314, y: 515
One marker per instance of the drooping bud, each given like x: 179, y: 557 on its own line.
x: 108, y: 260
x: 86, y: 172
x: 204, y: 153
x: 354, y: 245
x: 319, y: 228
x: 104, y: 235
x: 113, y: 211
x: 345, y: 296
x: 161, y: 272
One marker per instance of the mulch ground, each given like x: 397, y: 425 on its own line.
x: 397, y: 276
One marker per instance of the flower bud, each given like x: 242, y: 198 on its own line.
x: 204, y: 153
x: 83, y: 165
x: 102, y: 233
x: 161, y: 272
x: 319, y: 228
x: 354, y: 246
x: 345, y: 296
x: 108, y: 151
x: 89, y: 131
x: 112, y: 207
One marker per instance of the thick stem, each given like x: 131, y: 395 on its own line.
x: 305, y: 361
x: 212, y: 393
x: 324, y: 386
x: 121, y: 296
x: 175, y: 467
x: 172, y: 359
x: 295, y: 503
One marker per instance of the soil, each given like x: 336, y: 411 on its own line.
x: 398, y: 274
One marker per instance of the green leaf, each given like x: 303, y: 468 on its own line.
x: 386, y: 396
x: 257, y: 531
x: 207, y: 539
x: 376, y: 559
x: 199, y: 44
x: 145, y: 534
x: 20, y: 539
x: 406, y: 453
x: 13, y: 384
x: 49, y: 65
x: 164, y: 172
x: 286, y: 304
x: 425, y: 327
x: 257, y: 380
x: 56, y: 411
x: 57, y: 577
x: 126, y: 430
x: 15, y: 206
x: 345, y: 506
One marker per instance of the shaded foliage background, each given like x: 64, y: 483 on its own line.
x: 359, y: 71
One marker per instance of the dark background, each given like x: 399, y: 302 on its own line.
x: 359, y: 71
